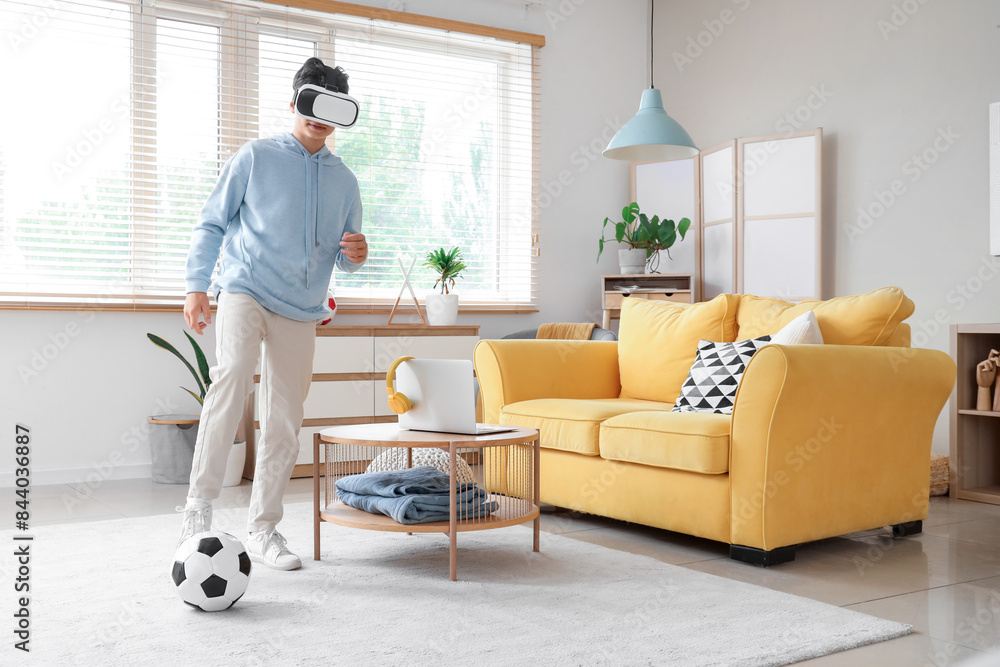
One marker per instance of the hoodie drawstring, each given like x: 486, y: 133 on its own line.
x: 309, y: 210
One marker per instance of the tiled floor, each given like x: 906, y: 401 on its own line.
x: 945, y: 582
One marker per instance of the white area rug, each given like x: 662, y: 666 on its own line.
x: 101, y: 595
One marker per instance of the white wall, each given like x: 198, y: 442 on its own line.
x: 98, y: 377
x: 888, y: 81
x: 885, y: 95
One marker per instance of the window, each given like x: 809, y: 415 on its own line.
x: 98, y: 203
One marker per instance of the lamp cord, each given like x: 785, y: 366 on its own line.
x: 652, y: 4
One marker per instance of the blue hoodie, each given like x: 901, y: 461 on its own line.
x: 278, y: 213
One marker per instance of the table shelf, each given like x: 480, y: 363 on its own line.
x: 345, y: 515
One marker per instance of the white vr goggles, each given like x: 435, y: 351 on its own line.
x: 325, y: 106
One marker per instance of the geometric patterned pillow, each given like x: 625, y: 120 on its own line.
x: 715, y: 375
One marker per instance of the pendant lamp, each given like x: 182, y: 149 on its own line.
x: 652, y: 135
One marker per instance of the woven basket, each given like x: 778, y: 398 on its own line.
x: 939, y: 474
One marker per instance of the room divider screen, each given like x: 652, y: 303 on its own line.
x: 755, y: 206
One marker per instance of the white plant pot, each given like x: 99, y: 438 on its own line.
x: 631, y: 261
x: 234, y: 464
x: 442, y: 309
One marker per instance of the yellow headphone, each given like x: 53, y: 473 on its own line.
x: 398, y: 402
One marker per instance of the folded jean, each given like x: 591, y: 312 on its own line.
x: 395, y: 483
x: 421, y: 508
x: 413, y: 495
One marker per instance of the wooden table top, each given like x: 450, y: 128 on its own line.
x: 390, y: 435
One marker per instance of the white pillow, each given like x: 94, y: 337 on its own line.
x: 803, y: 330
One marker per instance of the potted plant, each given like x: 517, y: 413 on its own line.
x: 644, y: 238
x: 442, y: 306
x: 173, y: 436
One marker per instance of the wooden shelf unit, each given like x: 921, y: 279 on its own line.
x: 975, y: 435
x: 677, y: 287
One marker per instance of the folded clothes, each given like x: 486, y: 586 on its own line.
x: 414, y: 495
x: 394, y: 483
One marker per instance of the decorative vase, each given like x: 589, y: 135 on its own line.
x: 442, y: 309
x: 631, y: 261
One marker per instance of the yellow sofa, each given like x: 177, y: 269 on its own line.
x: 823, y: 440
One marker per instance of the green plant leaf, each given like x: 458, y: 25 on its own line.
x: 202, y: 362
x: 668, y: 227
x: 630, y: 212
x: 619, y: 231
x: 159, y: 342
x: 684, y: 225
x: 669, y: 239
x: 605, y: 224
x: 196, y: 396
x: 600, y: 248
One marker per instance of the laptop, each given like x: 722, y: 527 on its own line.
x: 443, y: 395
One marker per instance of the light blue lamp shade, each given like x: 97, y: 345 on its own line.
x: 652, y: 135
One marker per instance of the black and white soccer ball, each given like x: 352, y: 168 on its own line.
x: 211, y: 570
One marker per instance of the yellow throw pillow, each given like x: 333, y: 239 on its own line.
x: 864, y: 319
x: 658, y: 341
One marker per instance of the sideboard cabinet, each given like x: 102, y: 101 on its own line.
x: 348, y: 382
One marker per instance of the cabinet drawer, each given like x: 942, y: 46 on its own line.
x: 422, y: 347
x: 614, y: 299
x: 343, y: 354
x: 338, y: 398
x: 339, y: 354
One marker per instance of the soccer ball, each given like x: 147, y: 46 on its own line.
x: 211, y: 570
x: 331, y: 305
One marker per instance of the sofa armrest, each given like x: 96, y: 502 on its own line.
x: 519, y: 370
x: 831, y: 439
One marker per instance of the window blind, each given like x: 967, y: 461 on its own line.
x: 100, y: 189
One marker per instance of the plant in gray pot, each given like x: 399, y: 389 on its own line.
x: 173, y: 437
x: 644, y: 238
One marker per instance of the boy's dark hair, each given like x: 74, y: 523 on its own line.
x: 315, y: 72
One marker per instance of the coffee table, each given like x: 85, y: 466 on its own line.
x: 507, y: 464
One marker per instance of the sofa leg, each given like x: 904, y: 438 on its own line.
x: 761, y: 558
x: 908, y: 528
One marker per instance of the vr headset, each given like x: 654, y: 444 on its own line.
x: 325, y: 105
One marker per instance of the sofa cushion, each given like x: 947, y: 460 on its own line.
x: 864, y: 319
x: 571, y: 424
x: 715, y: 375
x: 658, y: 341
x: 692, y: 441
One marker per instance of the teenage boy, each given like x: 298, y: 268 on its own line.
x: 284, y: 212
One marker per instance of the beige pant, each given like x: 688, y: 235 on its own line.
x: 243, y: 325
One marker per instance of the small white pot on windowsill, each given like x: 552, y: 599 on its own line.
x: 442, y: 309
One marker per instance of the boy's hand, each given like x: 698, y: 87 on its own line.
x: 354, y: 247
x: 196, y: 305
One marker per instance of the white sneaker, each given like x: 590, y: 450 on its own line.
x: 196, y: 520
x: 269, y: 547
